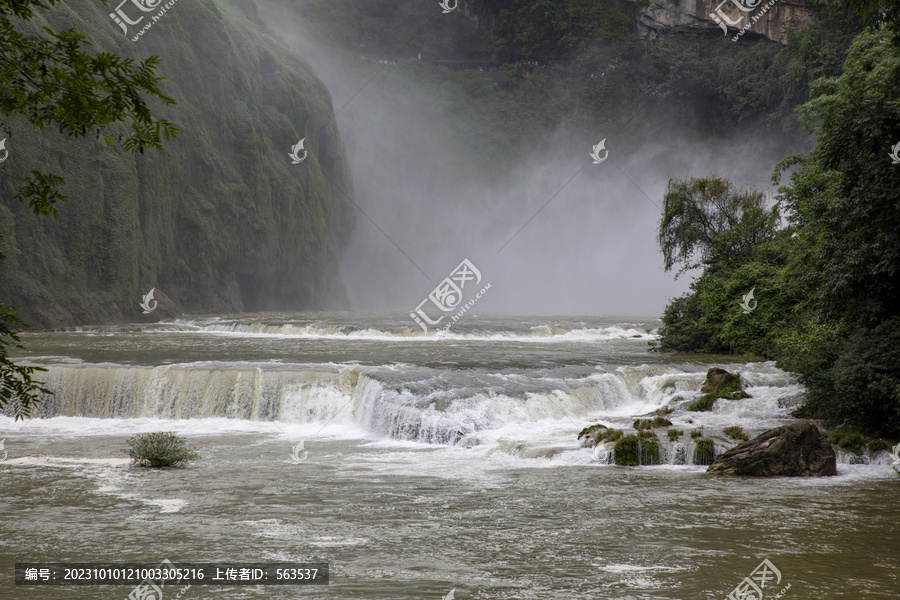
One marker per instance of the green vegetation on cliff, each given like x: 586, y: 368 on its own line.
x: 221, y: 220
x: 592, y: 66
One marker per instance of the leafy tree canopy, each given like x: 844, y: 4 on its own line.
x: 703, y: 218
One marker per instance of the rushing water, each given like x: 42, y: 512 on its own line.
x: 433, y: 462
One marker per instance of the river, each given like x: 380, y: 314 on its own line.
x: 430, y: 463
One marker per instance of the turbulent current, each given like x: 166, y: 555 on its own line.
x: 432, y: 462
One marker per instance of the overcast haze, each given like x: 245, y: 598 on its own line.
x: 591, y: 250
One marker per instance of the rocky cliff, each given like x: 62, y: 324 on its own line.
x: 768, y: 18
x: 222, y: 220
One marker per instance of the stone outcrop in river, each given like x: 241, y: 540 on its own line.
x: 796, y: 450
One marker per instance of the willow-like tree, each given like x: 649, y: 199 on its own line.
x: 710, y: 219
x: 52, y: 79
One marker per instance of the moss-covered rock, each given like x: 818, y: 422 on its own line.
x: 595, y: 434
x: 588, y: 435
x: 795, y: 450
x: 719, y: 384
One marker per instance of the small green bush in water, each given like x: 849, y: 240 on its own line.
x: 674, y: 434
x: 160, y: 449
x: 704, y: 452
x: 649, y: 450
x: 611, y: 435
x: 703, y: 403
x: 626, y: 451
x: 735, y: 433
x: 696, y: 433
x: 634, y: 450
x: 848, y: 439
x: 653, y: 423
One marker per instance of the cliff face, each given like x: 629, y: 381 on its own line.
x: 773, y: 18
x: 222, y: 220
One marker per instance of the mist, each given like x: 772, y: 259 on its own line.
x: 554, y: 235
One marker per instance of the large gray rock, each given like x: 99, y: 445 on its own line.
x: 797, y: 450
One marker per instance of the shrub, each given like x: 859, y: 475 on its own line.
x: 160, y: 449
x: 848, y: 439
x: 611, y: 435
x: 649, y: 450
x: 634, y: 450
x: 640, y: 424
x: 665, y: 412
x: 704, y: 452
x: 696, y: 433
x: 703, y: 403
x: 626, y: 451
x: 735, y: 433
x: 877, y: 445
x: 674, y: 434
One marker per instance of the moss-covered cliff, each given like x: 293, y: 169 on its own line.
x: 222, y: 220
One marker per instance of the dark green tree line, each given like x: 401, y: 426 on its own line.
x: 827, y: 282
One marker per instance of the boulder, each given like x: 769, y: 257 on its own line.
x: 796, y: 450
x: 717, y: 379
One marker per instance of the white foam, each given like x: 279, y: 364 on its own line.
x: 86, y: 427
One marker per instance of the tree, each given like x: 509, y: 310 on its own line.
x: 50, y: 78
x: 708, y: 220
x: 844, y: 204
